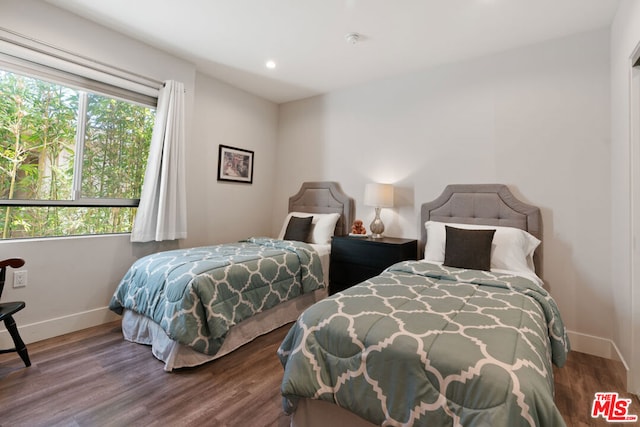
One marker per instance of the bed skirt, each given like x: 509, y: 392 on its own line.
x: 142, y: 330
x: 318, y: 413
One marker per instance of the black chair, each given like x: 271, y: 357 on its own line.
x: 8, y: 309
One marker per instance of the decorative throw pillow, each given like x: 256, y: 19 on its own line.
x: 298, y: 229
x: 468, y: 248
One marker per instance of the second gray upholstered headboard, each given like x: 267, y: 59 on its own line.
x: 487, y: 204
x: 325, y: 197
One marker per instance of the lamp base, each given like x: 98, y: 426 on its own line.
x: 376, y: 227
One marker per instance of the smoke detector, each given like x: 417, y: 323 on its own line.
x: 352, y: 38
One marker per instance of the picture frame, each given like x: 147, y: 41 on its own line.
x: 235, y: 164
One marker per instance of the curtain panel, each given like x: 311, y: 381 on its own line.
x: 161, y: 214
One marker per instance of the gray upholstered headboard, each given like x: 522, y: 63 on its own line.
x: 488, y: 204
x: 325, y: 197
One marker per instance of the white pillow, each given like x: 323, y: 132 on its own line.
x: 322, y: 226
x: 512, y: 248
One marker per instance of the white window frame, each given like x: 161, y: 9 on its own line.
x: 26, y: 56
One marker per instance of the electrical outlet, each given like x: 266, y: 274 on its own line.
x: 20, y: 278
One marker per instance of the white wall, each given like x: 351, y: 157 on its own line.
x: 535, y: 118
x: 71, y: 280
x: 625, y: 38
x: 227, y: 211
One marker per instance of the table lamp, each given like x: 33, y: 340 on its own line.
x: 379, y: 196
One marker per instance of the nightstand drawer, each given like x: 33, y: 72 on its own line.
x: 376, y: 255
x: 354, y: 273
x: 356, y: 259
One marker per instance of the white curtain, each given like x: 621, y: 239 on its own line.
x: 162, y: 213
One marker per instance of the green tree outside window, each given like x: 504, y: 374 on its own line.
x: 71, y: 162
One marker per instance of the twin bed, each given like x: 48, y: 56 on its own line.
x: 198, y: 304
x: 461, y: 337
x: 434, y: 342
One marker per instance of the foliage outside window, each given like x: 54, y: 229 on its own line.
x: 71, y: 162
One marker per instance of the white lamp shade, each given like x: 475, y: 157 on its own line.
x: 378, y: 195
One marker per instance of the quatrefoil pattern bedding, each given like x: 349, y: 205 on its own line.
x: 196, y: 295
x: 424, y: 344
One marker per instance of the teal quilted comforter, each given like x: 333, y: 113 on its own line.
x: 427, y: 345
x: 197, y: 294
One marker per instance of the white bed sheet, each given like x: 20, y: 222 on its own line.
x: 323, y: 252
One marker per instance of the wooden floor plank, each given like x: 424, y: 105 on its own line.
x: 95, y: 378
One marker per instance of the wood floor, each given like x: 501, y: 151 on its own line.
x: 95, y: 378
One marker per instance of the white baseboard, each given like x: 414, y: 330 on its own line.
x: 51, y: 328
x: 596, y: 346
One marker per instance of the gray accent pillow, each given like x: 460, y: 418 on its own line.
x: 468, y: 248
x: 298, y: 229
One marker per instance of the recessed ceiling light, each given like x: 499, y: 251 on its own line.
x: 270, y: 64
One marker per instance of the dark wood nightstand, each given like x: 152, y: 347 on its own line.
x: 355, y: 259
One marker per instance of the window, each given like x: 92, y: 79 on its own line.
x: 72, y: 161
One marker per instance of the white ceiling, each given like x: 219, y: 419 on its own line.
x: 232, y: 39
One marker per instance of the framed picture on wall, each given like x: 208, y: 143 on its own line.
x: 235, y: 164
